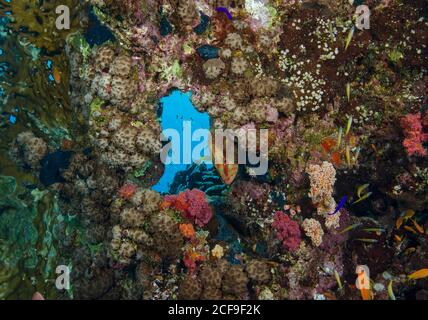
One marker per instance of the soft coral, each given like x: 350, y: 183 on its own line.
x: 287, y: 231
x: 193, y: 204
x: 414, y: 135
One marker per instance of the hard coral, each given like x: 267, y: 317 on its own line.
x: 190, y: 288
x: 322, y: 179
x: 313, y: 230
x: 287, y: 231
x: 166, y: 234
x: 30, y: 148
x: 258, y: 271
x: 235, y: 281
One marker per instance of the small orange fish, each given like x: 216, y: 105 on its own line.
x: 409, y: 213
x: 335, y: 158
x: 57, y: 75
x: 422, y: 273
x: 366, y: 294
x: 418, y: 226
x: 410, y: 250
x: 399, y: 222
x: 410, y: 229
x: 397, y: 238
x: 404, y: 217
x: 327, y: 144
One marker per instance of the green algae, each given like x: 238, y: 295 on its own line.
x: 79, y: 43
x: 395, y: 56
x: 38, y: 20
x: 27, y: 247
x: 7, y: 186
x: 31, y: 220
x: 140, y: 172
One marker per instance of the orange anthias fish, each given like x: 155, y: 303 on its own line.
x: 410, y: 229
x: 404, y: 217
x: 366, y: 294
x: 327, y: 144
x: 57, y: 75
x: 335, y: 158
x: 417, y: 226
x: 422, y: 273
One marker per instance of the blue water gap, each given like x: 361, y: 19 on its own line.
x: 179, y: 115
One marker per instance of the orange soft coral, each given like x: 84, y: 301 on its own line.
x: 187, y: 230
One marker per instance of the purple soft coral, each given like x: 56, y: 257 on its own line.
x: 414, y: 135
x: 287, y: 231
x: 193, y: 204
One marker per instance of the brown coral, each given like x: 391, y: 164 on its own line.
x: 235, y: 281
x: 30, y: 148
x: 190, y: 288
x: 258, y: 271
x: 166, y: 234
x: 210, y: 277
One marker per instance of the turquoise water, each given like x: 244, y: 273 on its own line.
x: 178, y: 113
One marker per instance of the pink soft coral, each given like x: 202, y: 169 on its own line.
x: 193, y: 204
x: 287, y: 231
x: 414, y: 135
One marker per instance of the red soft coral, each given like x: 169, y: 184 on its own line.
x: 287, y: 231
x: 193, y: 204
x: 414, y: 135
